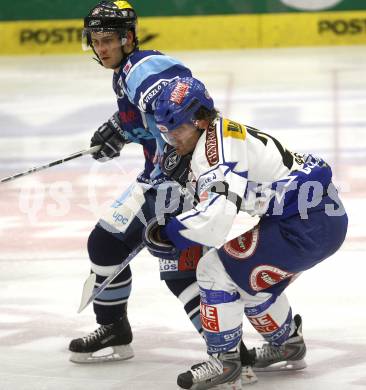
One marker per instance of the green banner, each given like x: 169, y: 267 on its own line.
x: 70, y: 9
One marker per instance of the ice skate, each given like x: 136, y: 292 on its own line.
x: 247, y: 360
x: 219, y: 372
x: 289, y: 356
x: 107, y: 343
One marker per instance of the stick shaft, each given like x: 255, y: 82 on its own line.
x: 90, y: 293
x: 51, y: 164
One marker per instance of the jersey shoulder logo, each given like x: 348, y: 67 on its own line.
x: 233, y: 129
x: 127, y: 67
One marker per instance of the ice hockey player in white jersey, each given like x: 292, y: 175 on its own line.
x: 302, y: 222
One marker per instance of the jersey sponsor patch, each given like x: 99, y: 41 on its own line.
x: 205, y: 181
x: 168, y: 265
x: 151, y: 93
x: 233, y: 129
x: 265, y: 276
x: 179, y: 92
x: 211, y: 146
x: 243, y: 246
x: 264, y: 323
x: 209, y: 318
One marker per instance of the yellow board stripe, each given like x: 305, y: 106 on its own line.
x: 197, y: 32
x: 41, y: 37
x: 313, y: 29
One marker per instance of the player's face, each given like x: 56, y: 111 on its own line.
x: 184, y: 138
x: 108, y: 47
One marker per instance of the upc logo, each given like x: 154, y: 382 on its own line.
x: 119, y: 218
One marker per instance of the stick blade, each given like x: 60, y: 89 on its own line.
x: 87, y: 293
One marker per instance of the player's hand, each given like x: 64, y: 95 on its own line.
x: 156, y: 244
x: 111, y: 139
x: 164, y: 249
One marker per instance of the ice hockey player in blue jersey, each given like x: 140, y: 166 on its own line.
x: 138, y: 77
x: 301, y: 222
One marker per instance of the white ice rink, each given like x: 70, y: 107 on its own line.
x: 312, y: 99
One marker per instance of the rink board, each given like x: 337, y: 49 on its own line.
x: 197, y: 32
x: 312, y: 99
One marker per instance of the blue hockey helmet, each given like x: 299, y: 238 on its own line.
x: 179, y: 101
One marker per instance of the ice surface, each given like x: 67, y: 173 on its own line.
x: 312, y: 99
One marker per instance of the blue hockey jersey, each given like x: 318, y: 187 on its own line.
x: 140, y: 79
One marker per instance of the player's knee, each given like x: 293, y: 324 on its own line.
x: 179, y: 286
x: 105, y: 250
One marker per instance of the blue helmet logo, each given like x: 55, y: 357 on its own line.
x: 179, y: 101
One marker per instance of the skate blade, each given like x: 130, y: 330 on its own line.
x: 283, y: 366
x: 248, y: 376
x: 109, y: 354
x: 234, y: 385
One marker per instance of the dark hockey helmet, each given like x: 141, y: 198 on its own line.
x: 110, y: 16
x: 179, y: 102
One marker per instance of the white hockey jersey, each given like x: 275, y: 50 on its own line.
x: 242, y: 168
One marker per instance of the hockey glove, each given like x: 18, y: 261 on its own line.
x: 156, y: 244
x: 176, y: 167
x: 164, y: 249
x: 110, y: 137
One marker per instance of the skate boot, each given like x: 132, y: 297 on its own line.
x: 107, y: 343
x: 288, y: 356
x: 221, y: 371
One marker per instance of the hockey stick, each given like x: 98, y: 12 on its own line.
x: 89, y: 293
x: 51, y: 164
